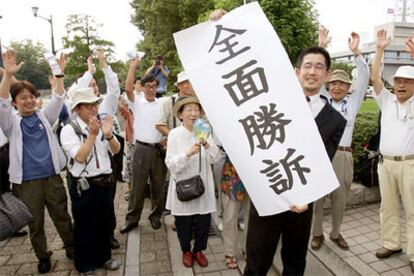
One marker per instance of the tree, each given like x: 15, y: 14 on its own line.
x: 158, y: 20
x: 36, y: 70
x: 82, y: 36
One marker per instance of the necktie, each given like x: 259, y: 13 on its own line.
x: 307, y: 99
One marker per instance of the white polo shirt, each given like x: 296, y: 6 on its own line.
x: 145, y: 118
x: 98, y: 160
x: 397, y: 124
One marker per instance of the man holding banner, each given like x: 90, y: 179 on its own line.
x: 257, y: 98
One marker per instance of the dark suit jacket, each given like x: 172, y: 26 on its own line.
x: 331, y: 125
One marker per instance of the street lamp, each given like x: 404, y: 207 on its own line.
x: 50, y: 20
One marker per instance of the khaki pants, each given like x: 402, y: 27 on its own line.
x: 231, y: 210
x: 343, y: 166
x: 37, y: 194
x: 396, y: 180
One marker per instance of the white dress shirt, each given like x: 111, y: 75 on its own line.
x: 397, y: 124
x: 145, y: 118
x: 3, y: 139
x: 98, y: 161
x: 316, y: 103
x: 181, y: 167
x: 350, y: 105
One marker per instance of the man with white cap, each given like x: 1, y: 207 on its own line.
x: 86, y: 142
x: 343, y: 164
x: 396, y: 169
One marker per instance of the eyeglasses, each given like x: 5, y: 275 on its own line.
x: 150, y: 86
x: 317, y: 66
x: 399, y: 81
x: 89, y: 106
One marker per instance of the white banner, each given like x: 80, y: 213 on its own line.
x: 247, y: 86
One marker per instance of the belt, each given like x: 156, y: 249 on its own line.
x: 349, y: 149
x: 399, y: 158
x: 148, y: 144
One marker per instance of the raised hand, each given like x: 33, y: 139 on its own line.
x: 409, y: 46
x: 217, y: 14
x: 324, y: 38
x: 101, y: 57
x: 353, y: 43
x: 135, y: 62
x: 62, y: 60
x: 106, y: 125
x: 91, y: 66
x: 10, y: 62
x: 382, y: 40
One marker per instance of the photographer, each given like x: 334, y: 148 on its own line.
x: 86, y: 142
x: 160, y: 72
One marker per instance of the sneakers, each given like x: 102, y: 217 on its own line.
x: 316, y: 242
x: 340, y: 241
x: 188, y: 259
x: 200, y: 259
x: 44, y: 265
x: 111, y: 265
x: 384, y: 253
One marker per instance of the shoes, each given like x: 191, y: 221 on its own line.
x: 242, y: 225
x: 220, y: 227
x: 188, y: 259
x: 340, y: 241
x: 111, y: 265
x: 412, y: 266
x: 114, y: 243
x: 88, y: 273
x: 174, y: 227
x: 70, y: 252
x: 200, y: 259
x: 44, y: 265
x: 20, y: 233
x: 231, y: 262
x: 383, y: 252
x: 316, y: 242
x: 127, y: 227
x: 155, y: 223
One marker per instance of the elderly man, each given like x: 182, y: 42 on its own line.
x: 343, y: 164
x: 396, y: 174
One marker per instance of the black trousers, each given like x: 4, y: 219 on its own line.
x: 4, y: 167
x: 93, y: 223
x: 186, y: 225
x: 263, y: 237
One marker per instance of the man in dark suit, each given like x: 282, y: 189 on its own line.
x: 294, y: 226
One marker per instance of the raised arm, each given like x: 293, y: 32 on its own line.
x: 10, y: 68
x: 362, y: 80
x: 110, y: 102
x: 129, y: 84
x: 324, y: 38
x: 382, y: 43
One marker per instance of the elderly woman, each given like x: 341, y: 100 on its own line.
x: 183, y: 153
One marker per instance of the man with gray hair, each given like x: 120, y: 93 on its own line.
x: 395, y: 170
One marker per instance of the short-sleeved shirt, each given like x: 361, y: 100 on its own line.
x: 37, y: 158
x: 166, y: 117
x: 162, y: 80
x: 397, y: 124
x: 145, y: 118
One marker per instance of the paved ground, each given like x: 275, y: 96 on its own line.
x: 145, y: 251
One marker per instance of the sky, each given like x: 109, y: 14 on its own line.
x: 341, y: 17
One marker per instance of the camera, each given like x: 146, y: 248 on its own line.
x: 82, y: 184
x: 158, y: 62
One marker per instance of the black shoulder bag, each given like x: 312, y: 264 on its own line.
x: 191, y: 188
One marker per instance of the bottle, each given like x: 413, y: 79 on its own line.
x: 54, y: 66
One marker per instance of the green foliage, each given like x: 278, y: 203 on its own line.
x: 366, y: 125
x: 369, y: 105
x: 82, y: 36
x: 344, y: 66
x: 36, y: 69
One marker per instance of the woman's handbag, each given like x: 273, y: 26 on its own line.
x: 191, y: 188
x: 14, y: 214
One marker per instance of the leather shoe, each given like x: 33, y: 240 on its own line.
x: 70, y: 252
x: 114, y: 243
x: 383, y: 252
x: 127, y: 227
x: 340, y: 241
x: 20, y: 233
x: 44, y: 265
x: 188, y: 259
x: 412, y: 266
x: 316, y: 242
x: 200, y: 259
x: 155, y: 223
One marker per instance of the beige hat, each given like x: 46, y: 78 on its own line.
x: 84, y: 95
x: 181, y: 77
x: 340, y: 75
x: 183, y: 101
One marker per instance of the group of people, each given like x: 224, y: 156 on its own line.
x: 162, y: 150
